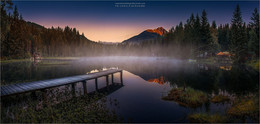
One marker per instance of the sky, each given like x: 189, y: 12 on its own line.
x: 110, y: 21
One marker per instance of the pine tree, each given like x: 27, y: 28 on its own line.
x: 180, y: 33
x: 197, y: 28
x: 191, y: 20
x: 255, y: 21
x: 189, y: 31
x: 254, y: 34
x: 238, y: 37
x: 205, y: 32
x: 223, y: 37
x: 21, y: 17
x: 5, y: 6
x: 189, y: 35
x: 214, y: 37
x: 214, y: 25
x: 15, y: 14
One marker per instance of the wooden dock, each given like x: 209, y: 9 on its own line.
x: 19, y: 88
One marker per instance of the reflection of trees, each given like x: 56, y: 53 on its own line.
x: 176, y: 73
x: 15, y: 71
x: 26, y: 71
x: 211, y: 79
x: 205, y: 80
x: 240, y: 79
x: 237, y: 80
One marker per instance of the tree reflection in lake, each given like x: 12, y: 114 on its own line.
x: 138, y: 94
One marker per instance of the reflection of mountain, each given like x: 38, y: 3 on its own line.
x: 160, y: 80
x: 208, y: 79
x: 146, y: 35
x: 174, y: 71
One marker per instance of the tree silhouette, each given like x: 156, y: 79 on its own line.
x: 254, y: 34
x: 15, y: 13
x: 205, y: 32
x: 238, y: 37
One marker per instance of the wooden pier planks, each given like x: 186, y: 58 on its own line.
x: 38, y: 85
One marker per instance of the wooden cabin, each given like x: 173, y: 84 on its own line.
x: 224, y: 57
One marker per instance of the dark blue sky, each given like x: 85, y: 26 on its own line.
x: 103, y: 21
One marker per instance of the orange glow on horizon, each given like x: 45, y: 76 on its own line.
x: 100, y: 31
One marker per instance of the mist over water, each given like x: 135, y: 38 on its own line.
x: 201, y: 75
x: 146, y: 81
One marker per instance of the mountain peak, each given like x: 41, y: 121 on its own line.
x: 146, y: 35
x: 160, y: 30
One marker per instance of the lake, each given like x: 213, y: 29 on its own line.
x: 146, y: 80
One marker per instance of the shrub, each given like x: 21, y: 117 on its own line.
x: 188, y: 97
x: 245, y: 106
x: 207, y: 118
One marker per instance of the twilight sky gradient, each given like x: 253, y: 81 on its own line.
x: 102, y: 21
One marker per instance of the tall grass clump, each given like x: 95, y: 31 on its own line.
x: 59, y: 108
x: 245, y: 106
x: 222, y: 96
x: 188, y: 97
x: 207, y: 118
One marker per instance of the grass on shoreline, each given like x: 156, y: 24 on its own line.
x: 188, y: 97
x: 219, y: 99
x: 61, y: 58
x: 222, y: 96
x: 14, y: 60
x: 28, y: 59
x: 254, y: 64
x: 242, y: 108
x: 207, y: 118
x: 245, y: 106
x: 83, y: 109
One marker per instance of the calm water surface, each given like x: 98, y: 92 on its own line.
x: 146, y: 80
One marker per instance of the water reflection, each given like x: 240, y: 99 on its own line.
x: 203, y: 67
x: 160, y: 80
x: 204, y: 77
x: 141, y: 101
x: 226, y: 68
x: 102, y: 69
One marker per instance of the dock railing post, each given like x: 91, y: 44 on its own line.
x: 73, y: 89
x: 84, y: 83
x: 44, y: 96
x: 107, y: 82
x: 121, y: 77
x: 112, y: 76
x: 96, y: 82
x: 33, y: 95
